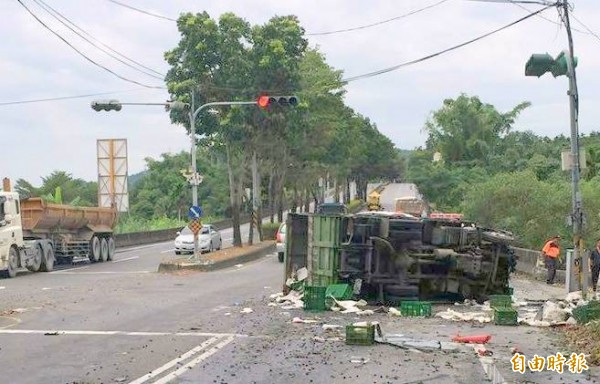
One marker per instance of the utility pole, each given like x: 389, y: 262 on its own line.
x: 577, y: 218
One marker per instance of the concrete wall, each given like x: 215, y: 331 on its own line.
x: 149, y: 237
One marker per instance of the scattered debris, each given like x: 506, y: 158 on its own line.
x: 476, y: 339
x: 331, y: 327
x: 359, y: 360
x: 272, y: 305
x: 395, y: 312
x: 408, y: 343
x: 227, y: 314
x: 302, y: 321
x: 246, y: 310
x: 121, y: 379
x: 450, y: 314
x: 51, y: 333
x: 239, y: 265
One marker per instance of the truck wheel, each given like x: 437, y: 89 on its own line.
x: 13, y: 263
x: 37, y: 259
x: 103, y: 250
x: 280, y: 256
x: 111, y: 248
x: 48, y: 260
x: 94, y: 255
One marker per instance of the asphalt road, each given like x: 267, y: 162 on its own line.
x: 121, y: 322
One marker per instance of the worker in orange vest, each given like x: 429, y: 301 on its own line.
x: 551, y: 251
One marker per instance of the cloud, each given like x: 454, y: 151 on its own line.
x: 62, y: 135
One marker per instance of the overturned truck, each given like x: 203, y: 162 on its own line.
x: 391, y: 257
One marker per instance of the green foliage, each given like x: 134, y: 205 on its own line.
x: 129, y: 224
x: 354, y: 205
x: 269, y: 230
x: 60, y: 187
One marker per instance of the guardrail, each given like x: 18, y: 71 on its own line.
x: 532, y: 263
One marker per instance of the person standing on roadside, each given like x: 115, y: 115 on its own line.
x: 595, y: 265
x: 551, y: 251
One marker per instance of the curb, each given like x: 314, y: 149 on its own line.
x: 263, y: 250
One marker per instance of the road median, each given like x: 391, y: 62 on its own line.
x: 220, y: 259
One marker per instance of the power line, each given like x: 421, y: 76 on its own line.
x: 396, y: 67
x: 545, y: 18
x: 379, y: 22
x: 584, y: 26
x: 142, y: 11
x: 64, y: 97
x: 58, y: 16
x: 82, y: 54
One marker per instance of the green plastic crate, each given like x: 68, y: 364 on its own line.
x: 510, y: 291
x: 586, y: 313
x: 339, y: 291
x: 415, y: 308
x: 500, y: 301
x: 505, y: 316
x: 314, y: 298
x: 356, y: 335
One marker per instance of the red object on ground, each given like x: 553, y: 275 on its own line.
x: 479, y: 339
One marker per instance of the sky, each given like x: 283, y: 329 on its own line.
x: 42, y: 137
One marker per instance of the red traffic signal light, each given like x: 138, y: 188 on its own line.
x: 267, y: 101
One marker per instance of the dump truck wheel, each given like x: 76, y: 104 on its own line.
x: 103, y: 250
x: 111, y: 248
x: 280, y: 256
x: 13, y: 263
x: 48, y: 260
x: 37, y: 259
x: 94, y: 255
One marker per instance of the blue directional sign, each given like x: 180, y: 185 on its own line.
x: 195, y: 212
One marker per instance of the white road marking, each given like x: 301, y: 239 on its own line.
x: 140, y: 247
x: 126, y: 259
x: 70, y: 269
x: 489, y: 367
x: 168, y: 251
x: 2, y: 287
x: 176, y: 361
x: 185, y: 368
x: 68, y: 272
x: 111, y: 333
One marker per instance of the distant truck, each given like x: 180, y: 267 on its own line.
x: 35, y: 234
x: 412, y: 205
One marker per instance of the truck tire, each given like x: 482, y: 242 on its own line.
x: 37, y: 259
x: 94, y: 255
x: 13, y: 263
x: 111, y: 248
x: 48, y: 260
x: 103, y: 250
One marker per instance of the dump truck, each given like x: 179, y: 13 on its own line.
x: 36, y: 235
x: 392, y: 257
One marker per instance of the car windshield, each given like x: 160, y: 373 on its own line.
x: 282, y: 229
x: 186, y: 231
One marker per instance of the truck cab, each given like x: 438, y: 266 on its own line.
x: 11, y: 231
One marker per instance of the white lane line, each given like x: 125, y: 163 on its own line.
x: 176, y: 361
x: 68, y: 270
x: 111, y: 333
x: 105, y: 272
x: 168, y: 250
x: 489, y: 366
x: 141, y: 247
x: 126, y: 259
x: 185, y: 368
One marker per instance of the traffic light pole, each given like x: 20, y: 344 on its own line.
x: 577, y: 216
x: 195, y: 179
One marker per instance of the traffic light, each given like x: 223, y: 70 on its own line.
x: 265, y: 102
x: 106, y: 105
x: 174, y: 105
x: 539, y: 64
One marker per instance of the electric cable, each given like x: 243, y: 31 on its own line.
x: 82, y: 54
x: 58, y: 16
x: 142, y: 11
x: 425, y: 58
x: 66, y: 97
x: 379, y: 22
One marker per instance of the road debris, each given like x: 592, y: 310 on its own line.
x: 359, y: 360
x: 453, y: 315
x: 51, y: 333
x: 246, y: 310
x: 298, y: 320
x: 475, y: 339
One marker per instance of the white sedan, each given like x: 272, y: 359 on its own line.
x: 209, y: 239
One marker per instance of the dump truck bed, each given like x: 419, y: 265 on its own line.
x: 41, y: 217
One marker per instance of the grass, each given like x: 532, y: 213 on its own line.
x: 585, y: 339
x: 128, y: 224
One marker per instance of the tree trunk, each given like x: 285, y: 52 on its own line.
x: 306, y: 200
x: 294, y: 207
x: 272, y: 196
x: 234, y: 201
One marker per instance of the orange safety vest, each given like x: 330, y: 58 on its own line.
x: 551, y: 249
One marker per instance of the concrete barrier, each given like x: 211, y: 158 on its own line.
x: 532, y: 263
